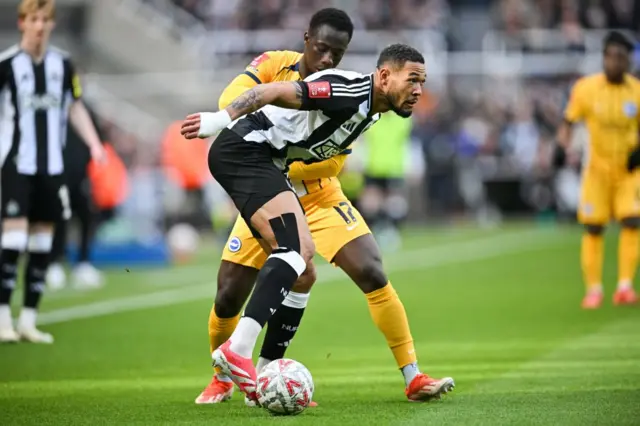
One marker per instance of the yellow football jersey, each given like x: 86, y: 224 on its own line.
x: 279, y: 65
x: 611, y: 114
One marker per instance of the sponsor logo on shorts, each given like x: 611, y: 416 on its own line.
x: 587, y: 209
x: 235, y: 245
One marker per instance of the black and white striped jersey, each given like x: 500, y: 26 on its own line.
x: 34, y: 105
x: 336, y: 109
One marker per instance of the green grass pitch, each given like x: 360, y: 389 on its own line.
x: 498, y: 310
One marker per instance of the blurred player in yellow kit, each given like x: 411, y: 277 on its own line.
x: 339, y: 233
x: 609, y: 104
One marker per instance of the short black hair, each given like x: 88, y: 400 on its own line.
x: 399, y: 54
x: 618, y: 39
x: 335, y: 18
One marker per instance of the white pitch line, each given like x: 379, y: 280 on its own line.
x: 445, y: 254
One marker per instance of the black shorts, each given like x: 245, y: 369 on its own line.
x: 385, y: 184
x: 39, y: 198
x: 245, y: 170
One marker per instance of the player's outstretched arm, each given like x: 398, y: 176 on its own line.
x: 205, y: 124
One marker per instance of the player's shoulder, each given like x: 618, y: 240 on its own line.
x: 10, y: 53
x: 634, y: 81
x: 279, y: 57
x: 56, y: 51
x: 588, y: 81
x: 335, y: 74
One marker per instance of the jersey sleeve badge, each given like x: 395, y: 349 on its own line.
x: 319, y: 89
x: 258, y: 60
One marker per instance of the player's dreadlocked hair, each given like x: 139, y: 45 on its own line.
x: 618, y: 39
x: 335, y: 18
x: 398, y: 54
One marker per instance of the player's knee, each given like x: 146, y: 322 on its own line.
x: 370, y: 275
x: 306, y: 280
x: 631, y: 222
x: 594, y: 229
x: 285, y: 231
x: 307, y: 250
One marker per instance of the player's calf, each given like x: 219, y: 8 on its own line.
x: 13, y: 242
x: 235, y: 283
x: 39, y: 248
x: 284, y: 324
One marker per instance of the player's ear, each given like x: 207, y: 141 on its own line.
x: 385, y: 75
x: 306, y: 37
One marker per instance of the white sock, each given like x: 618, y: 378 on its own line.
x: 5, y: 317
x: 595, y: 288
x: 27, y: 318
x: 262, y: 363
x: 624, y: 285
x: 244, y: 337
x: 409, y: 372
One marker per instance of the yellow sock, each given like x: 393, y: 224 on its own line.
x: 220, y: 329
x: 628, y: 246
x: 390, y: 317
x: 591, y: 257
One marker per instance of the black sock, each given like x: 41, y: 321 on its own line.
x: 34, y: 279
x: 59, y: 242
x: 281, y: 328
x: 273, y: 283
x: 8, y: 274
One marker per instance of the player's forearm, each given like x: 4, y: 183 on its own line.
x: 81, y: 122
x: 284, y: 94
x: 324, y: 169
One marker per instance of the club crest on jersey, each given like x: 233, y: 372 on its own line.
x: 630, y: 109
x: 319, y: 89
x: 326, y: 149
x: 235, y: 245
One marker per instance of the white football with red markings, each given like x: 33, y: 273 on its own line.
x: 285, y: 387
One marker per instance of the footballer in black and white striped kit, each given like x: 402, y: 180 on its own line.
x: 276, y: 123
x: 39, y: 94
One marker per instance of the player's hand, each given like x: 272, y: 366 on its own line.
x: 633, y: 162
x: 191, y: 126
x: 98, y: 154
x: 559, y: 158
x: 205, y: 124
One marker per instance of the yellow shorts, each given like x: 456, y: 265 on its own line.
x: 606, y: 195
x: 332, y: 219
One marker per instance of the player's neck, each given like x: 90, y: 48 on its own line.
x: 302, y: 70
x: 615, y: 80
x: 35, y: 50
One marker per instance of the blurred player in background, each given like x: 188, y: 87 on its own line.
x: 383, y: 201
x: 609, y: 104
x: 41, y: 93
x: 76, y: 161
x: 339, y: 232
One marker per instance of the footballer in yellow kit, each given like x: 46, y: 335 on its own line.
x: 332, y: 219
x: 609, y: 104
x: 340, y: 234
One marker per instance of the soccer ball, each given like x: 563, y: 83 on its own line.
x: 285, y: 387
